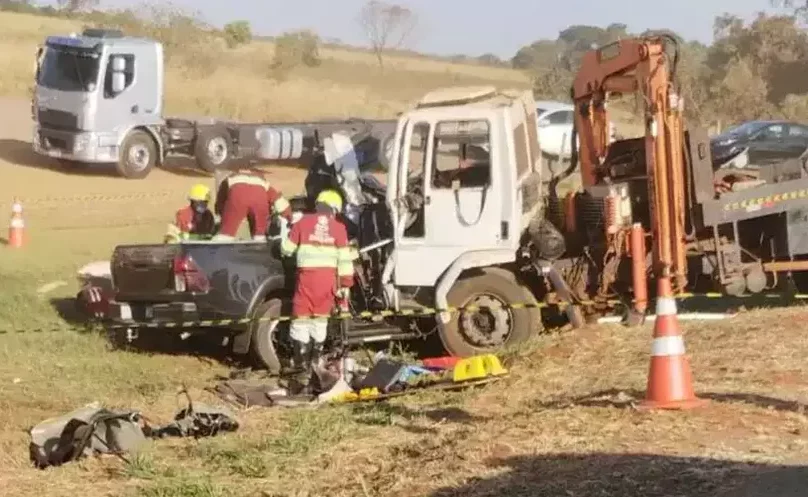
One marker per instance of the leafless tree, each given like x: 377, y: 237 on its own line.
x: 387, y: 26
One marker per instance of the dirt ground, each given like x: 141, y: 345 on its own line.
x: 562, y: 423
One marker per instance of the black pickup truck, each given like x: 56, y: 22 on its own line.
x: 172, y: 287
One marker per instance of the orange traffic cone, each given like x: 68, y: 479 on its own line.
x: 670, y: 385
x: 16, y: 228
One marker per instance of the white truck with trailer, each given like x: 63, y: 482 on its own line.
x: 98, y: 99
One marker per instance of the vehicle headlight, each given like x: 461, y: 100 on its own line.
x: 82, y: 142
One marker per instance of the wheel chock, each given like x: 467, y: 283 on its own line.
x: 470, y: 368
x: 477, y: 368
x: 492, y: 365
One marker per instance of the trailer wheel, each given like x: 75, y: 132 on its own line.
x: 138, y: 155
x: 264, y: 343
x: 212, y: 148
x: 485, y: 331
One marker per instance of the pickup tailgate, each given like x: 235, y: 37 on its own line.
x: 144, y: 272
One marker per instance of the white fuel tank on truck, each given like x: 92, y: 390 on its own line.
x: 279, y: 143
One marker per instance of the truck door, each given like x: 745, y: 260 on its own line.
x: 137, y: 104
x: 118, y: 106
x: 461, y: 211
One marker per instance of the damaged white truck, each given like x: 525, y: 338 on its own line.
x: 459, y: 223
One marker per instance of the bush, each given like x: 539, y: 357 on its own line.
x: 296, y: 48
x: 237, y: 33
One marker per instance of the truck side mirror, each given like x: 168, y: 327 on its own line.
x: 118, y: 82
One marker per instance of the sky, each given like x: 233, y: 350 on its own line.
x: 472, y: 27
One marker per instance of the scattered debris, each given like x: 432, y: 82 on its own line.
x: 343, y: 381
x: 89, y: 430
x: 95, y: 430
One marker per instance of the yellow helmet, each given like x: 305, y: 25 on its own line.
x: 199, y: 193
x: 331, y: 199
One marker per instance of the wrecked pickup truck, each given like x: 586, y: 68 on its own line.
x: 238, y: 287
x: 177, y: 285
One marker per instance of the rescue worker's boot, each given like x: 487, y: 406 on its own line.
x: 299, y: 383
x: 315, y: 353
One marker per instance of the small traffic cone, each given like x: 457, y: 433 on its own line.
x: 16, y: 228
x: 670, y: 385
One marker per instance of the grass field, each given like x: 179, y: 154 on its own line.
x: 561, y: 424
x: 237, y: 83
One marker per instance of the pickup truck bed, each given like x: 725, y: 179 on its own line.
x: 174, y: 283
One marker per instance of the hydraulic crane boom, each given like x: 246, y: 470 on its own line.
x: 642, y: 66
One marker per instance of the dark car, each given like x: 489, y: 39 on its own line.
x: 764, y: 142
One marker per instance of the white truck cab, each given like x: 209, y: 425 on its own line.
x: 464, y: 184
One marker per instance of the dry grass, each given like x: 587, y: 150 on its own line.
x: 558, y: 425
x: 555, y: 427
x: 237, y: 83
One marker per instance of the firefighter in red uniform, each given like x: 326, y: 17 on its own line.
x: 319, y: 242
x: 194, y: 221
x: 246, y: 194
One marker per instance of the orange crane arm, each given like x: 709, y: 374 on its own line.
x: 630, y: 66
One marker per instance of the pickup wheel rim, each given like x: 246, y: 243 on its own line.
x: 138, y: 156
x: 486, y: 327
x: 217, y: 150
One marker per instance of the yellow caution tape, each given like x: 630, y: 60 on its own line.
x: 411, y: 313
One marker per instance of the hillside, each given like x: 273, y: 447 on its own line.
x: 241, y: 84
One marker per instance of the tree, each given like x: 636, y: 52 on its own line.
x: 386, y: 26
x: 489, y: 59
x: 72, y: 6
x: 237, y: 33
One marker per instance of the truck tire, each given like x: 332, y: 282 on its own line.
x: 263, y: 343
x: 138, y: 155
x: 213, y: 148
x: 484, y: 332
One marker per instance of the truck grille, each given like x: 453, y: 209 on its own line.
x: 50, y: 141
x: 58, y: 119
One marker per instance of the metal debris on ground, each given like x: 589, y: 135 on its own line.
x: 387, y: 378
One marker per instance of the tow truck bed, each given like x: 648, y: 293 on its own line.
x: 756, y: 202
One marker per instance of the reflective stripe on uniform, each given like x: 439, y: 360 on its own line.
x: 346, y: 256
x: 317, y: 256
x: 288, y: 247
x: 245, y: 179
x: 667, y: 346
x: 280, y: 204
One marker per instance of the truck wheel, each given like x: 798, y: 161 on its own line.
x: 485, y: 331
x: 138, y: 155
x: 212, y: 149
x: 264, y: 341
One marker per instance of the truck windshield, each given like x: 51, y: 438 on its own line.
x: 69, y: 70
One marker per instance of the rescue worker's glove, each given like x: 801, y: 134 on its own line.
x: 343, y: 300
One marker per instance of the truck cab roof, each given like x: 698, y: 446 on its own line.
x: 452, y: 98
x: 93, y: 38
